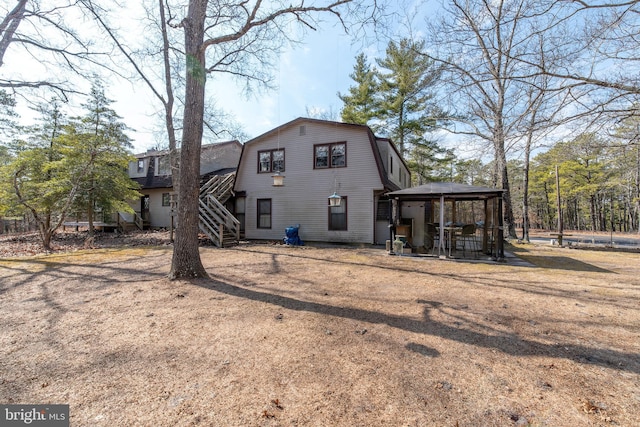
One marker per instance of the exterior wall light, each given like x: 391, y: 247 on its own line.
x: 278, y: 180
x: 334, y: 199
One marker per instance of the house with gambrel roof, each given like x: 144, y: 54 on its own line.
x: 318, y: 159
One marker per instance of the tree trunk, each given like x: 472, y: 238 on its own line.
x: 168, y: 103
x: 637, y: 187
x: 45, y: 231
x: 503, y: 176
x: 90, y: 215
x: 509, y: 222
x: 9, y: 26
x: 186, y: 262
x: 593, y: 212
x: 525, y: 192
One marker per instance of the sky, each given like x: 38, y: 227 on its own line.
x: 308, y: 77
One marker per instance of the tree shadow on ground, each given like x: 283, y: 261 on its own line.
x: 66, y: 268
x: 510, y: 344
x: 562, y: 263
x: 556, y: 262
x: 519, y: 284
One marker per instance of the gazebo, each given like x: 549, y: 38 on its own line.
x: 412, y: 209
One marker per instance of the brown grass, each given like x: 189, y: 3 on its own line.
x: 293, y: 336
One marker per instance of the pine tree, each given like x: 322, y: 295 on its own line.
x: 407, y: 108
x: 360, y: 104
x: 103, y: 145
x: 7, y: 114
x: 37, y: 179
x: 80, y: 163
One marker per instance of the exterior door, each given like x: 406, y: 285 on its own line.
x: 144, y: 208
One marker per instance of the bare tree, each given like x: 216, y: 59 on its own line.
x: 216, y: 35
x: 478, y: 42
x: 545, y: 101
x: 602, y: 38
x: 40, y: 29
x: 161, y: 86
x: 9, y: 26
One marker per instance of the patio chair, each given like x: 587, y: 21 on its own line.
x: 468, y: 235
x: 432, y: 236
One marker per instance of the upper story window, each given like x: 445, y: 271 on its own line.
x: 163, y: 166
x: 140, y: 165
x: 332, y: 155
x: 271, y: 161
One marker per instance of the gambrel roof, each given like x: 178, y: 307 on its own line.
x: 388, y: 185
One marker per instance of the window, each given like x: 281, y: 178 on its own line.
x: 140, y: 165
x: 163, y: 166
x: 391, y: 164
x: 271, y: 161
x: 240, y: 211
x: 338, y: 216
x: 264, y: 213
x: 166, y: 199
x: 330, y: 155
x: 382, y: 213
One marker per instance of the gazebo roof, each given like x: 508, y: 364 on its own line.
x: 453, y: 190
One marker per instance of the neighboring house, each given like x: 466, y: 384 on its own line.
x: 318, y: 158
x: 153, y: 172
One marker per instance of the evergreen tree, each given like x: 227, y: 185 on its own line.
x: 7, y: 124
x: 37, y: 179
x: 7, y: 114
x: 430, y: 163
x: 80, y: 163
x: 586, y: 183
x: 360, y: 105
x: 103, y: 145
x: 406, y: 97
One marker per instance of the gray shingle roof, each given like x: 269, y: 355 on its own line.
x: 437, y: 189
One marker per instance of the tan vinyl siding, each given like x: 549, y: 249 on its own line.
x: 399, y: 175
x: 133, y: 168
x: 383, y: 147
x: 303, y: 199
x: 160, y: 216
x: 213, y: 157
x: 219, y: 156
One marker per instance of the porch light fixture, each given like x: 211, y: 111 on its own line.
x: 278, y: 180
x: 334, y: 200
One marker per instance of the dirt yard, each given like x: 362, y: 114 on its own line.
x: 322, y: 336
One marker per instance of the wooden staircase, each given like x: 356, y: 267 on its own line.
x: 127, y: 222
x: 216, y: 222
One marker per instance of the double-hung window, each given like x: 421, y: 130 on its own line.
x: 271, y: 161
x: 264, y: 213
x: 338, y: 216
x: 332, y: 155
x: 163, y: 167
